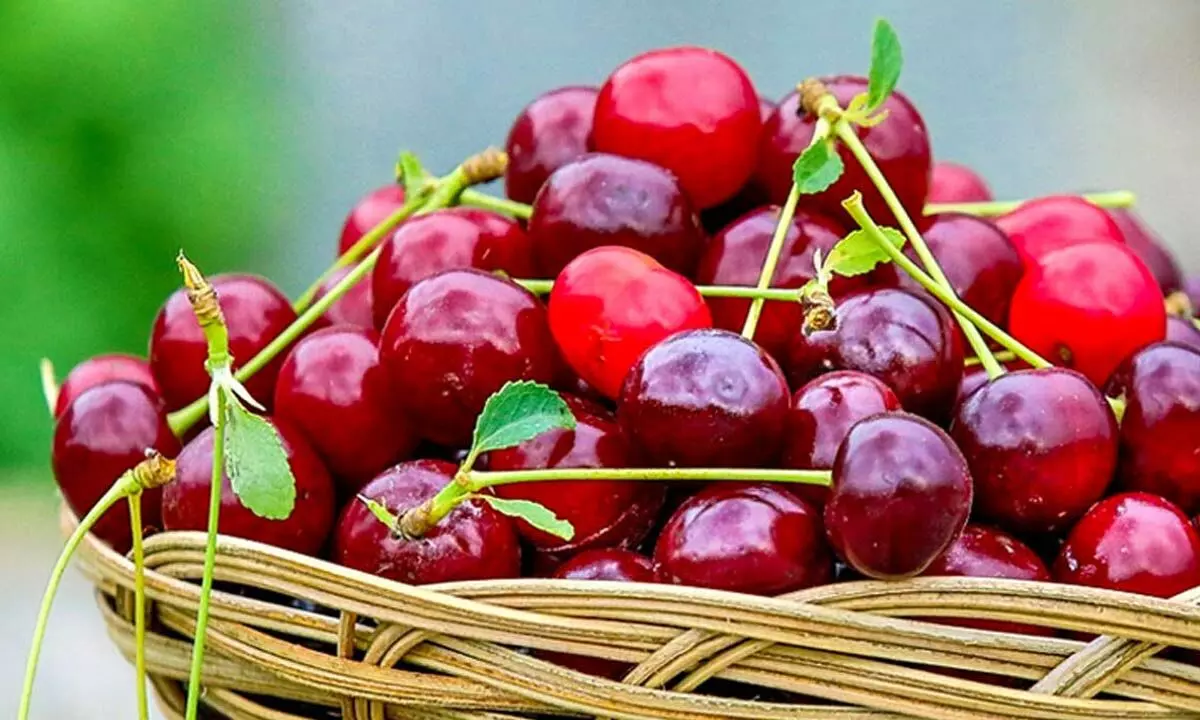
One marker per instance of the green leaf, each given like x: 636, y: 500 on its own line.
x: 817, y: 168
x: 857, y: 253
x: 517, y: 412
x: 380, y: 511
x: 535, y: 514
x: 886, y: 61
x: 409, y: 171
x: 256, y: 464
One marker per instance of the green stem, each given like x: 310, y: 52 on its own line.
x: 139, y: 605
x: 50, y: 387
x: 1002, y: 356
x: 504, y: 206
x: 1114, y: 199
x: 543, y: 287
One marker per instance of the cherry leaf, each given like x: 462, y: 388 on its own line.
x: 257, y: 464
x: 535, y: 514
x: 886, y: 61
x: 517, y: 412
x: 380, y: 511
x: 818, y: 167
x: 409, y: 172
x: 857, y: 253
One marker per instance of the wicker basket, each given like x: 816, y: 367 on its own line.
x: 293, y: 637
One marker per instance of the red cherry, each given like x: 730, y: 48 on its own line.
x: 1039, y: 227
x: 973, y: 378
x: 692, y: 110
x: 550, y: 132
x: 612, y: 303
x: 353, y: 308
x: 1135, y: 542
x: 953, y: 183
x: 1182, y: 331
x: 255, y: 313
x: 102, y: 369
x: 473, y: 542
x: 102, y: 433
x: 372, y: 209
x: 1150, y: 248
x: 185, y: 501
x: 750, y: 197
x: 1088, y: 307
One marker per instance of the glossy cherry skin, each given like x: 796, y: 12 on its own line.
x: 899, y: 145
x: 1191, y: 287
x: 105, y: 431
x: 334, y: 390
x: 1041, y: 226
x: 954, y: 183
x: 550, y: 132
x: 353, y: 308
x: 1042, y: 446
x: 603, y: 513
x: 906, y: 340
x: 756, y: 539
x: 102, y: 369
x: 750, y: 197
x: 1149, y: 247
x: 691, y: 110
x: 1088, y: 307
x: 609, y: 200
x: 1135, y: 542
x: 1182, y: 331
x: 185, y: 501
x: 705, y: 398
x: 372, y: 209
x: 255, y: 312
x: 473, y: 542
x: 612, y: 303
x: 448, y: 239
x: 456, y: 338
x: 901, y: 494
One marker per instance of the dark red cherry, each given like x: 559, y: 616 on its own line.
x: 973, y: 378
x: 456, y: 338
x: 185, y: 501
x: 705, y: 398
x: 1039, y: 227
x: 1150, y: 248
x: 901, y: 494
x: 1135, y: 542
x: 103, y: 432
x: 334, y: 390
x: 372, y: 209
x: 354, y: 307
x: 691, y: 110
x: 609, y: 200
x: 1042, y: 446
x: 1191, y: 287
x: 102, y: 369
x: 551, y: 131
x: 906, y: 340
x: 899, y: 145
x: 1182, y: 331
x: 612, y: 303
x: 955, y: 183
x: 255, y: 313
x: 756, y: 539
x: 473, y: 542
x: 603, y: 513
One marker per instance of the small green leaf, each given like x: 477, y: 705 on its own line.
x: 517, y: 412
x: 535, y: 514
x: 380, y: 511
x: 409, y: 171
x: 257, y: 464
x: 817, y: 168
x: 857, y: 253
x: 886, y: 61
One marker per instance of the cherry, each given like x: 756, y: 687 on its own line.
x: 750, y: 197
x: 102, y: 369
x: 1191, y: 287
x: 550, y: 132
x: 448, y: 239
x: 1088, y: 307
x: 255, y: 312
x: 1182, y: 331
x: 473, y: 542
x: 954, y: 183
x: 973, y: 378
x: 453, y: 340
x: 1039, y: 227
x: 612, y: 303
x: 705, y: 398
x: 1042, y: 446
x: 692, y: 110
x: 333, y: 389
x: 608, y: 200
x: 102, y: 433
x: 901, y: 494
x: 1150, y: 249
x: 899, y: 145
x: 1134, y: 542
x: 906, y: 340
x: 185, y: 501
x: 353, y: 308
x: 603, y: 513
x: 372, y: 209
x: 756, y: 539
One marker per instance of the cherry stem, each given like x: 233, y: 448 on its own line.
x: 50, y: 387
x: 543, y: 287
x: 1002, y: 356
x: 504, y: 206
x: 992, y: 208
x: 139, y: 604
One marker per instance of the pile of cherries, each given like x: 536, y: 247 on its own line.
x: 667, y: 178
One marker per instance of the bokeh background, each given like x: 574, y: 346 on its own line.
x: 243, y: 132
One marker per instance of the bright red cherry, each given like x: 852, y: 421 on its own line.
x: 473, y: 542
x: 750, y: 197
x: 612, y: 303
x: 1088, y: 307
x: 354, y: 307
x: 1039, y: 227
x: 448, y: 239
x: 691, y: 110
x: 954, y: 183
x: 1150, y: 248
x: 1135, y: 542
x: 255, y: 313
x: 901, y: 494
x: 185, y: 501
x: 103, y: 432
x: 372, y: 209
x: 102, y: 369
x: 551, y: 131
